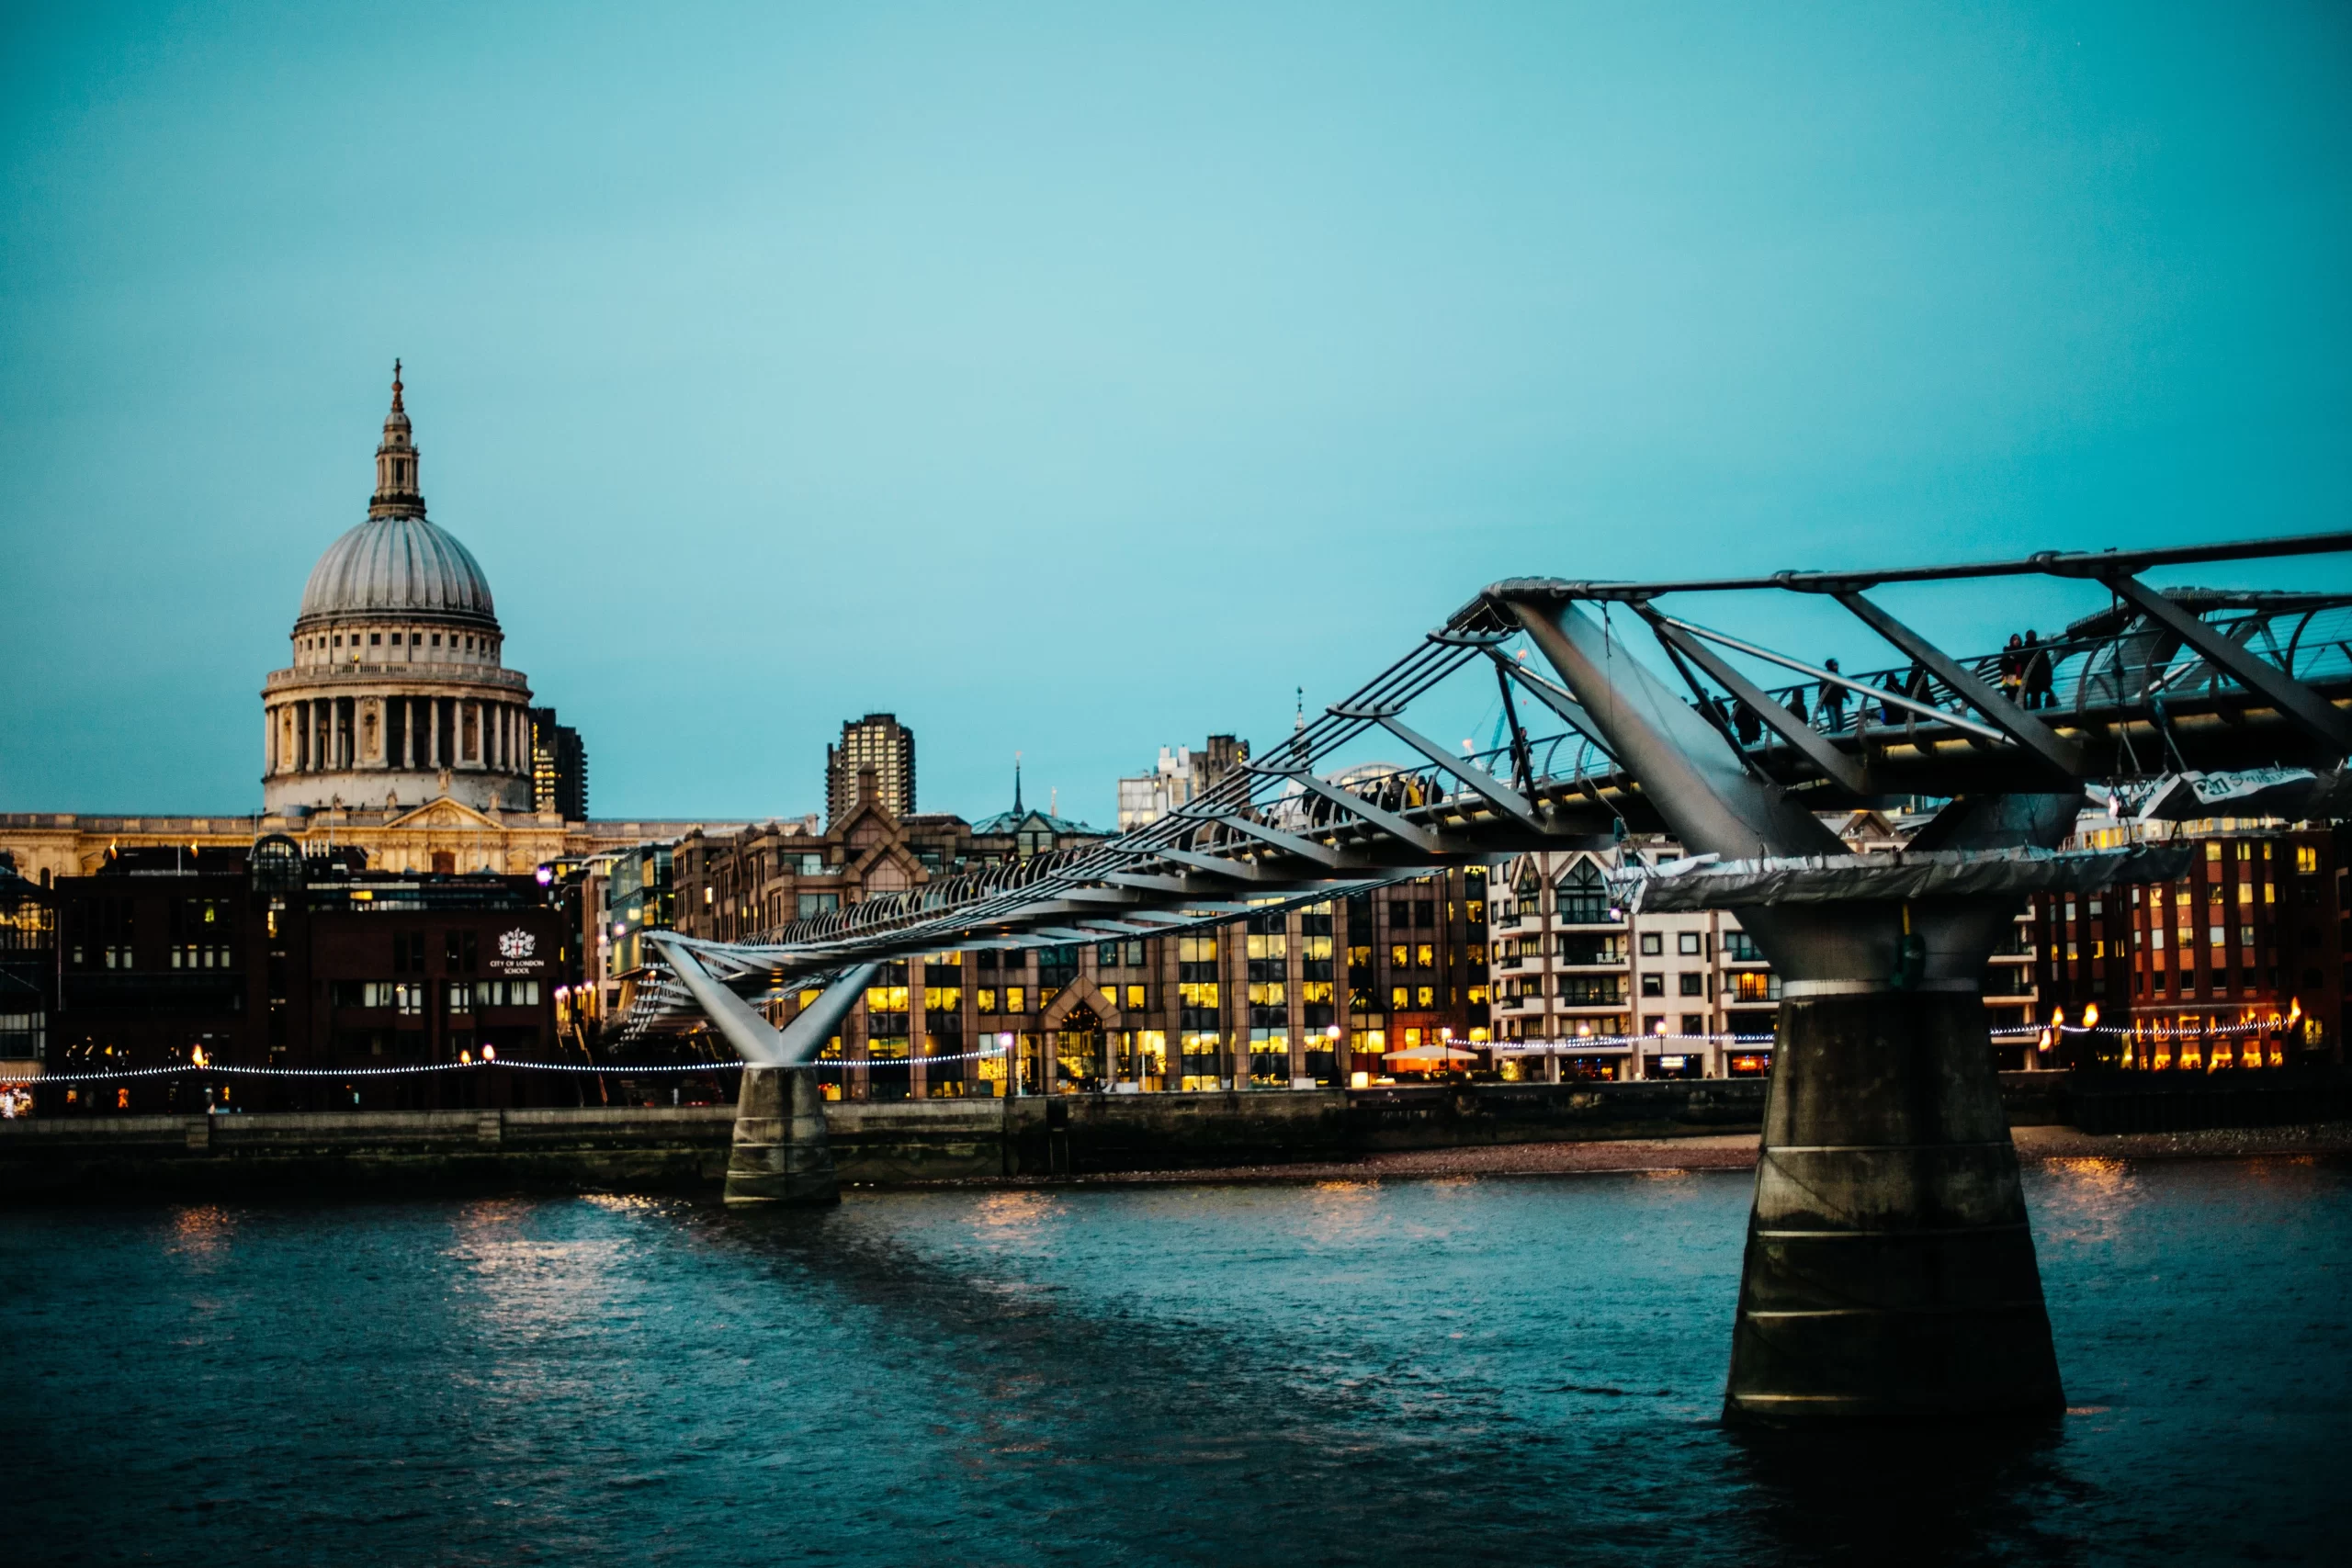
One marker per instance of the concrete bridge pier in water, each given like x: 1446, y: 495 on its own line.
x: 1890, y: 1267
x: 782, y: 1153
x: 1889, y: 1271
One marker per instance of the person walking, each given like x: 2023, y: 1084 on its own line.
x: 1833, y: 701
x: 2012, y: 668
x: 2037, y: 676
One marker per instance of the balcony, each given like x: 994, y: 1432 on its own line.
x: 442, y: 674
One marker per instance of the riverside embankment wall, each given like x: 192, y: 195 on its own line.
x: 909, y: 1142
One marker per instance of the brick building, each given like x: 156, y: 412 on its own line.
x: 275, y: 959
x: 2240, y: 963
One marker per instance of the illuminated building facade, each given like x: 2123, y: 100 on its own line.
x: 1315, y: 994
x: 2238, y: 963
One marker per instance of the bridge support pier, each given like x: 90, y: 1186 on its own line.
x: 782, y: 1153
x: 1890, y: 1270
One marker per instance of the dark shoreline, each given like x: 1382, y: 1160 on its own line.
x: 1646, y: 1156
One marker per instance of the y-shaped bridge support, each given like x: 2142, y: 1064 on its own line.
x: 781, y: 1154
x: 1889, y: 1271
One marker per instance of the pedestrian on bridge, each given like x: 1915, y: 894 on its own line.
x: 1833, y: 700
x: 2038, y: 677
x: 2012, y: 667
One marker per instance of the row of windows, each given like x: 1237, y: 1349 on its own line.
x: 1603, y: 990
x: 328, y: 642
x: 406, y: 998
x: 1586, y: 947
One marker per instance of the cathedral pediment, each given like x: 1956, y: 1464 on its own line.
x: 443, y: 813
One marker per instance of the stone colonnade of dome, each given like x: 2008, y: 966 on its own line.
x: 377, y: 735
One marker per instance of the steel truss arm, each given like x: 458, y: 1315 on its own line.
x: 1697, y: 781
x: 1428, y: 840
x: 1830, y: 677
x: 1496, y: 793
x: 754, y: 1038
x: 1289, y: 843
x: 1216, y: 865
x: 1846, y: 771
x: 1182, y: 887
x: 2313, y: 712
x: 2063, y: 756
x: 1560, y: 703
x: 2084, y: 563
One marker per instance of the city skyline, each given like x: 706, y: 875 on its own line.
x: 1232, y: 784
x: 1077, y: 385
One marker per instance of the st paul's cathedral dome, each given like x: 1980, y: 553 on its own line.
x: 398, y: 694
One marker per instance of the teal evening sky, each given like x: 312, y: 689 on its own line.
x: 1080, y: 380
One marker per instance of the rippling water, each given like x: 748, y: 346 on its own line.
x: 1490, y: 1371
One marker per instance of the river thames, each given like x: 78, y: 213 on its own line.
x: 1495, y: 1371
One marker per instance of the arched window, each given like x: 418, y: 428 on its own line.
x: 1583, y: 901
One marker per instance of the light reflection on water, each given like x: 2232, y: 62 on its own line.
x: 1499, y: 1370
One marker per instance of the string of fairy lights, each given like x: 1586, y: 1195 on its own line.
x: 489, y: 1059
x: 2155, y: 1030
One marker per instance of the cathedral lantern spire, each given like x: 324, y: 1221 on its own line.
x: 396, y: 486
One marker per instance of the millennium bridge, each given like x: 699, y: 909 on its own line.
x: 1888, y: 1270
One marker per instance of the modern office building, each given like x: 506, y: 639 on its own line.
x: 559, y: 768
x: 877, y: 744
